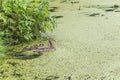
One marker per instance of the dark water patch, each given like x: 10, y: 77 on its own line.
x: 109, y: 9
x: 57, y: 17
x: 53, y: 9
x: 51, y: 77
x: 114, y: 6
x: 27, y: 56
x: 63, y: 1
x: 69, y: 78
x: 36, y: 77
x: 117, y: 10
x: 94, y: 14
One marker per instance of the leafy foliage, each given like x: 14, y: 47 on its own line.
x: 2, y: 48
x: 22, y: 20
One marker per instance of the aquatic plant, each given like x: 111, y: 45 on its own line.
x: 21, y: 20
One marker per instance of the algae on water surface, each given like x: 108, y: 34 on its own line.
x: 87, y: 47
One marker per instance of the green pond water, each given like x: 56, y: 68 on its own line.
x: 87, y: 47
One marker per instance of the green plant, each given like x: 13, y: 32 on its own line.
x: 2, y: 48
x: 20, y: 20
